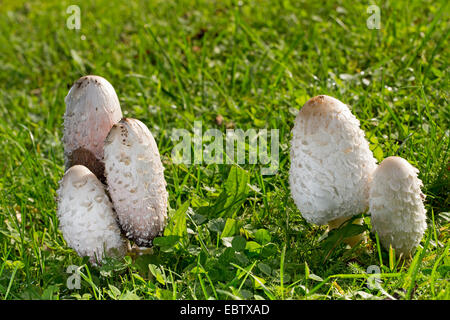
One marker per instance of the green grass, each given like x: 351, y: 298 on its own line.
x: 255, y: 64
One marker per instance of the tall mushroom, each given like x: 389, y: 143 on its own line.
x: 135, y: 178
x: 331, y: 163
x: 86, y: 218
x: 396, y: 205
x: 92, y: 107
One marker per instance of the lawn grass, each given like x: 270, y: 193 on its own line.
x: 254, y: 63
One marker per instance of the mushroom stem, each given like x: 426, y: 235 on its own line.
x: 351, y: 241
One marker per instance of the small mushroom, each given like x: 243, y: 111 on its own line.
x: 331, y: 163
x: 86, y: 218
x: 135, y: 178
x: 92, y: 107
x: 396, y: 205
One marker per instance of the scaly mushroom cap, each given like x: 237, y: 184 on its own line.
x: 331, y: 162
x: 86, y: 218
x: 92, y: 107
x: 396, y: 205
x: 135, y: 177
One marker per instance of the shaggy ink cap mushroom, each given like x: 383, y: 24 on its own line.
x: 396, y: 205
x: 92, y: 107
x: 135, y: 178
x: 331, y: 163
x: 86, y: 217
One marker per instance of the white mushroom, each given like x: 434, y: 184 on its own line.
x: 86, y: 218
x: 396, y: 205
x: 331, y: 163
x: 92, y: 107
x: 135, y: 178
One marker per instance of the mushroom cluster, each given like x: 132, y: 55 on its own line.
x: 114, y: 186
x: 334, y: 176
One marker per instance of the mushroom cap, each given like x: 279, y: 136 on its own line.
x: 92, y: 107
x: 396, y: 205
x: 135, y: 177
x: 331, y: 162
x: 86, y: 218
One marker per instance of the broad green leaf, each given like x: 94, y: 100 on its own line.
x: 164, y: 294
x: 167, y: 241
x: 156, y: 272
x: 177, y: 224
x: 253, y: 246
x: 262, y: 236
x: 216, y: 225
x: 198, y: 218
x: 230, y: 229
x: 113, y: 292
x: 226, y: 241
x: 269, y: 250
x: 237, y: 189
x: 265, y: 268
x: 258, y: 281
x: 49, y: 292
x: 238, y: 243
x: 232, y: 196
x: 128, y: 295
